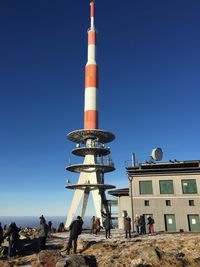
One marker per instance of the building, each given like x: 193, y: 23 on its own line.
x: 167, y: 191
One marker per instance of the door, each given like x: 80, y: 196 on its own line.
x: 193, y: 221
x: 170, y: 223
x: 146, y: 221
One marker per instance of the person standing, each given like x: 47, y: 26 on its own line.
x: 97, y: 226
x: 75, y: 230
x: 136, y: 222
x: 93, y: 226
x: 127, y: 226
x: 13, y: 234
x: 107, y: 225
x: 150, y: 223
x: 42, y: 234
x: 141, y: 225
x: 1, y: 235
x: 49, y: 228
x: 61, y: 227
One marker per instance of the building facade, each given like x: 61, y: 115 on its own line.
x: 167, y: 191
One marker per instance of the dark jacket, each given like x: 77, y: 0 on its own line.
x: 127, y: 223
x: 150, y: 221
x: 141, y: 221
x: 107, y: 223
x: 13, y: 232
x: 1, y: 235
x: 43, y: 230
x: 75, y: 228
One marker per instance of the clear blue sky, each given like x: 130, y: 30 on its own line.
x: 149, y: 62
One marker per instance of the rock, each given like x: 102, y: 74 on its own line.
x: 47, y: 258
x: 164, y: 250
x: 77, y: 261
x: 28, y: 232
x: 81, y: 246
x: 180, y: 255
x: 149, y: 254
x: 144, y: 265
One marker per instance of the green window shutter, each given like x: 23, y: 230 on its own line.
x: 189, y: 186
x: 166, y: 187
x: 145, y: 187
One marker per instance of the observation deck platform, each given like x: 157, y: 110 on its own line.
x: 81, y: 136
x: 90, y: 168
x: 90, y: 187
x: 97, y: 151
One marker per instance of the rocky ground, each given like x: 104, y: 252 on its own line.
x: 178, y: 249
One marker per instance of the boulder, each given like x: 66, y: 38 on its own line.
x: 77, y: 261
x: 47, y: 258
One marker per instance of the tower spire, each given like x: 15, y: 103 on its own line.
x: 91, y: 77
x: 92, y: 8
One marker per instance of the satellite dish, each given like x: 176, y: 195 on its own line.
x: 157, y: 154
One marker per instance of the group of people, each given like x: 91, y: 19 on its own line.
x: 75, y: 228
x: 12, y: 235
x: 96, y: 225
x: 140, y: 224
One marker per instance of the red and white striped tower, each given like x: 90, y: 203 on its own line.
x: 90, y: 143
x: 91, y: 78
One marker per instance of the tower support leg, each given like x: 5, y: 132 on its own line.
x: 85, y: 201
x: 97, y: 203
x: 74, y: 205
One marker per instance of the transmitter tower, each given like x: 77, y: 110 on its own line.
x: 90, y: 142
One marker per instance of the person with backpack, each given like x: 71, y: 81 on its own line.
x: 150, y: 223
x: 75, y: 230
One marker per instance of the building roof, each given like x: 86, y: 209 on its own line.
x: 190, y: 166
x: 119, y: 192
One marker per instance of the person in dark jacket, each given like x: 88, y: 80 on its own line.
x: 75, y: 230
x: 150, y: 223
x: 61, y: 227
x: 1, y: 235
x: 42, y: 234
x: 107, y: 225
x: 13, y: 234
x: 127, y: 226
x: 141, y: 224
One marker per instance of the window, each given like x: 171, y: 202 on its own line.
x: 189, y: 186
x: 166, y: 187
x: 145, y: 187
x: 191, y: 202
x: 168, y: 202
x: 146, y: 202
